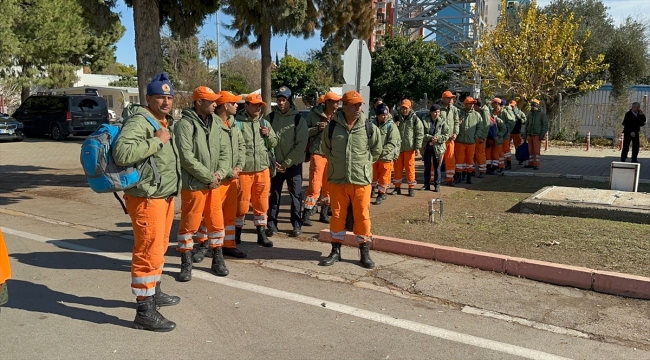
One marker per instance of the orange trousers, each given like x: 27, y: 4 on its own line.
x: 5, y: 269
x: 342, y: 195
x: 255, y: 186
x: 480, y: 157
x: 464, y: 157
x: 152, y: 222
x: 517, y: 140
x: 405, y: 161
x: 450, y: 161
x: 201, y: 217
x: 507, y: 155
x: 494, y: 155
x: 318, y: 184
x: 381, y: 175
x: 229, y: 191
x: 534, y: 149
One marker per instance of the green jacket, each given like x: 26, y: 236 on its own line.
x: 201, y: 149
x: 411, y: 131
x: 471, y: 126
x: 292, y: 141
x: 390, y: 134
x: 442, y: 132
x: 350, y: 157
x: 257, y: 146
x: 502, y: 131
x: 134, y: 145
x: 450, y: 115
x: 316, y: 115
x: 485, y: 116
x: 236, y: 148
x: 508, y: 117
x: 537, y: 124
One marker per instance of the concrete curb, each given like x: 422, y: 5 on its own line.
x: 558, y: 274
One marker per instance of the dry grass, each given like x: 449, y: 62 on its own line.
x: 486, y: 217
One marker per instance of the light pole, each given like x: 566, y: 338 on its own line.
x: 218, y: 55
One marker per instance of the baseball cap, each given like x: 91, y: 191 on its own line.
x: 352, y: 97
x: 330, y: 95
x: 406, y: 103
x: 321, y: 99
x: 204, y: 93
x: 513, y: 103
x: 448, y: 94
x: 228, y: 97
x: 255, y: 99
x: 284, y: 91
x: 469, y: 100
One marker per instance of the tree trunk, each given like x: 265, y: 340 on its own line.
x: 24, y: 93
x: 148, y: 49
x: 265, y: 44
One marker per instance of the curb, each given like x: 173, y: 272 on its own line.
x: 565, y: 176
x: 552, y: 273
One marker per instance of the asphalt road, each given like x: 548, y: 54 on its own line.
x: 70, y: 295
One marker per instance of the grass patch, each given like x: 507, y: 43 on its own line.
x: 486, y: 217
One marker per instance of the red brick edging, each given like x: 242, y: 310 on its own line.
x: 552, y: 273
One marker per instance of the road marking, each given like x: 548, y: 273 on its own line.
x: 332, y: 306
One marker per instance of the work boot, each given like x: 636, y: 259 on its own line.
x: 147, y: 317
x: 200, y: 252
x: 234, y: 252
x: 186, y: 267
x: 324, y: 217
x: 366, y: 261
x: 237, y: 235
x: 380, y: 199
x: 437, y: 188
x: 481, y: 175
x: 334, y: 256
x: 306, y: 213
x: 462, y: 176
x: 469, y: 178
x: 508, y: 164
x: 411, y: 192
x: 163, y: 299
x: 397, y: 191
x: 296, y: 232
x: 262, y: 238
x: 490, y: 170
x: 426, y: 188
x: 270, y: 231
x: 450, y: 183
x: 457, y: 178
x: 218, y: 264
x: 374, y: 191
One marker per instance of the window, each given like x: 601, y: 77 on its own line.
x: 134, y: 99
x: 89, y: 103
x: 109, y: 100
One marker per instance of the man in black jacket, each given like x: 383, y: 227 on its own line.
x: 632, y: 123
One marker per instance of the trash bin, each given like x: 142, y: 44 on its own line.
x: 624, y: 176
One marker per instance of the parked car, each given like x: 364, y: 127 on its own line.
x: 62, y: 115
x: 10, y: 129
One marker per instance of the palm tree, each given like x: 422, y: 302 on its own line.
x: 209, y: 52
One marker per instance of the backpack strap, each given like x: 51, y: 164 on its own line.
x: 154, y: 168
x: 369, y: 131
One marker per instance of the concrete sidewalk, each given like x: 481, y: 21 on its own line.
x: 578, y: 161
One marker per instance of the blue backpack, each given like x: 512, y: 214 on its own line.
x: 102, y: 174
x: 493, y: 131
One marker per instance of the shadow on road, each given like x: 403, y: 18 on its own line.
x: 20, y: 178
x: 34, y: 297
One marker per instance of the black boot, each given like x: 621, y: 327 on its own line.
x: 469, y: 178
x: 481, y: 175
x: 270, y: 231
x: 397, y: 191
x: 218, y: 264
x: 163, y: 299
x: 237, y: 235
x: 199, y: 254
x: 457, y: 179
x: 334, y: 256
x: 463, y: 176
x: 324, y: 217
x: 306, y: 213
x: 234, y: 252
x: 508, y: 164
x: 426, y: 187
x: 380, y: 199
x: 147, y: 317
x: 261, y: 236
x: 411, y: 192
x: 186, y: 267
x: 366, y: 261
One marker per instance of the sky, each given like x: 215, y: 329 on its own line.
x: 298, y: 47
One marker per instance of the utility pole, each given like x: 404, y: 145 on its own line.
x: 218, y: 55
